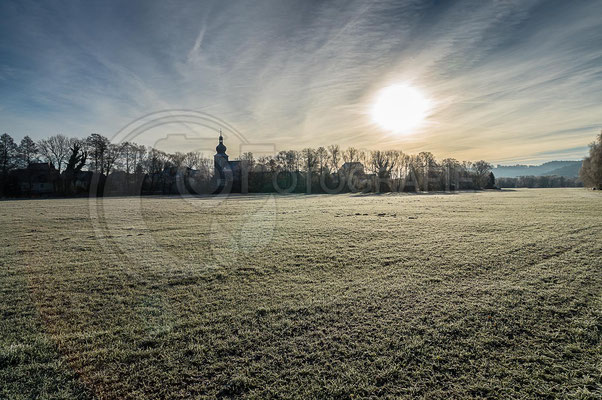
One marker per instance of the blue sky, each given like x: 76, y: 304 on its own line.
x: 512, y: 81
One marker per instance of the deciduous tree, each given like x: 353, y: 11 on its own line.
x: 56, y: 149
x: 309, y: 159
x: 334, y: 152
x: 591, y: 169
x: 321, y: 158
x: 28, y: 152
x: 481, y: 170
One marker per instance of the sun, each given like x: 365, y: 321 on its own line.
x: 400, y: 108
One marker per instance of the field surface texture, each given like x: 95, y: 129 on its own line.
x: 469, y: 295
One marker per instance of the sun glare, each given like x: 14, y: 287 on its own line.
x: 400, y: 108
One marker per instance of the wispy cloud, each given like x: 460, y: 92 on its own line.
x: 512, y: 80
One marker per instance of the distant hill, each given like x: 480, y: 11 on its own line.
x: 568, y: 169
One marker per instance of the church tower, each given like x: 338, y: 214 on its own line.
x: 222, y: 167
x: 220, y: 157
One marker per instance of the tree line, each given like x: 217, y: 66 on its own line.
x: 312, y: 169
x: 394, y: 170
x: 96, y: 153
x: 390, y: 170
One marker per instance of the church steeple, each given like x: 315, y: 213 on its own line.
x: 221, y: 149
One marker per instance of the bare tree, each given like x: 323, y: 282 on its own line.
x: 397, y: 170
x: 293, y: 159
x: 205, y: 166
x: 112, y: 157
x: 248, y: 159
x: 321, y: 158
x: 402, y: 165
x: 451, y: 164
x: 138, y: 157
x: 452, y: 172
x: 155, y: 161
x: 426, y: 169
x: 309, y: 159
x: 55, y: 149
x: 128, y: 151
x: 397, y: 158
x: 382, y: 162
x: 192, y: 160
x: 334, y: 152
x: 281, y: 160
x: 351, y: 155
x: 177, y: 159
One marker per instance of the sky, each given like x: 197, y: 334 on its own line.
x: 509, y: 81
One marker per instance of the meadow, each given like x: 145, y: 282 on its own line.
x: 468, y: 295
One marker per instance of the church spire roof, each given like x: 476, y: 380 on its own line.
x: 221, y: 149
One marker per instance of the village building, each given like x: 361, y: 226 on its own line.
x: 37, y: 179
x: 352, y: 167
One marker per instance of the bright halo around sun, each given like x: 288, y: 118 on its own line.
x: 401, y: 108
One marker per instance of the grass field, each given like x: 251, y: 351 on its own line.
x: 469, y: 295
